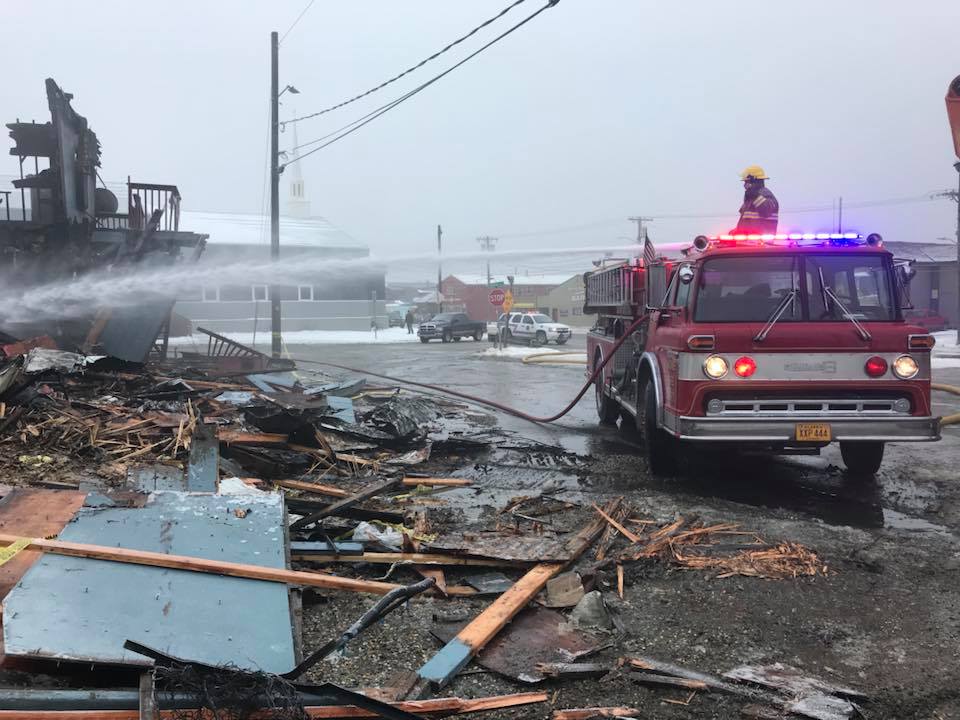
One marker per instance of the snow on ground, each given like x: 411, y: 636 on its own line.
x: 939, y: 363
x: 515, y: 351
x: 310, y: 337
x: 946, y: 343
x: 946, y: 353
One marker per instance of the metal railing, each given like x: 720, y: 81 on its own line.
x: 143, y: 199
x: 113, y: 221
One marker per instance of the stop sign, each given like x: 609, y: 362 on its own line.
x: 497, y: 297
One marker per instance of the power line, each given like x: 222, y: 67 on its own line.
x: 302, y: 13
x: 927, y: 197
x: 410, y: 69
x: 370, y: 117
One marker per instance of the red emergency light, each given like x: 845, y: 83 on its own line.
x: 702, y: 242
x: 796, y: 237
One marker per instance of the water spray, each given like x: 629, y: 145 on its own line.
x: 80, y: 296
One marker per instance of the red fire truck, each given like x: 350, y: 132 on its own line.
x: 787, y: 342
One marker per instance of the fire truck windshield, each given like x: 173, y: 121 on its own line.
x: 828, y: 287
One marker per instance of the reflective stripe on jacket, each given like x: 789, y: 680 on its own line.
x: 760, y: 214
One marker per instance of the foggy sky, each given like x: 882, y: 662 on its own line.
x: 596, y: 110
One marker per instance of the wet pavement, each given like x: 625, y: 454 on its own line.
x: 900, y: 497
x: 886, y: 618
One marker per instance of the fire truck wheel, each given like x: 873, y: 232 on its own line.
x: 862, y: 458
x: 661, y: 447
x: 607, y: 409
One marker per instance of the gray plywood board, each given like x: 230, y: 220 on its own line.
x: 68, y: 608
x: 203, y: 468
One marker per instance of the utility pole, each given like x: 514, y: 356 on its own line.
x: 275, y: 315
x: 439, y: 270
x: 487, y: 244
x: 955, y: 196
x: 953, y: 117
x: 641, y: 228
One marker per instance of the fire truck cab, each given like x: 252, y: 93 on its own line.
x: 785, y: 342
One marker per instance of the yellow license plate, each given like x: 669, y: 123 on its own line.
x: 813, y: 432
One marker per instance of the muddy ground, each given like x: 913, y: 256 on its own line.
x: 885, y: 619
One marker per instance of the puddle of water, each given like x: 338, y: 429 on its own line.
x: 893, y: 520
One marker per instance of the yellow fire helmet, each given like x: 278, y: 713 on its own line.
x: 754, y: 171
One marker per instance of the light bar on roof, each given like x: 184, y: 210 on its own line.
x: 770, y: 237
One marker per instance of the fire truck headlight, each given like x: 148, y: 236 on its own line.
x: 905, y: 367
x: 715, y: 367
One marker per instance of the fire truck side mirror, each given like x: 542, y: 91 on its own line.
x: 686, y: 274
x: 907, y: 272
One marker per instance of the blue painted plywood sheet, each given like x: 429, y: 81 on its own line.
x: 79, y: 609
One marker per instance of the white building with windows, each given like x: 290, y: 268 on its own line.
x: 330, y: 301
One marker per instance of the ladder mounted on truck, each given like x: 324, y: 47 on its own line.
x: 615, y: 289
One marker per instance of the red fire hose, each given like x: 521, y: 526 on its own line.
x: 492, y: 403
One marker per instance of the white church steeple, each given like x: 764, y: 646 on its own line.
x: 297, y: 204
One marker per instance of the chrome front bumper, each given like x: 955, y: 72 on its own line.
x: 782, y: 430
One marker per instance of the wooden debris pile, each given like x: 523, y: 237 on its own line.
x: 782, y: 561
x: 773, y: 691
x: 692, y: 545
x: 79, y: 414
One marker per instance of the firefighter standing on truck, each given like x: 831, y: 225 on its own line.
x: 759, y: 212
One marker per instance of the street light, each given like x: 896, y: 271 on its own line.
x: 291, y: 88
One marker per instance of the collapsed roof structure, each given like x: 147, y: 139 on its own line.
x: 66, y: 227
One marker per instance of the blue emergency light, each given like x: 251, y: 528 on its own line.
x: 701, y: 242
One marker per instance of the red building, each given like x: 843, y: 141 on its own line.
x: 470, y: 293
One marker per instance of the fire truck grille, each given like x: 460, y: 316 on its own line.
x: 827, y: 407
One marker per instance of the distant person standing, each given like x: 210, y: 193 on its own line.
x: 408, y: 319
x: 760, y: 210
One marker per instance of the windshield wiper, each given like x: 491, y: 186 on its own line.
x: 828, y: 292
x: 781, y: 308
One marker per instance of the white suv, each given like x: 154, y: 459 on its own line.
x: 536, y: 328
